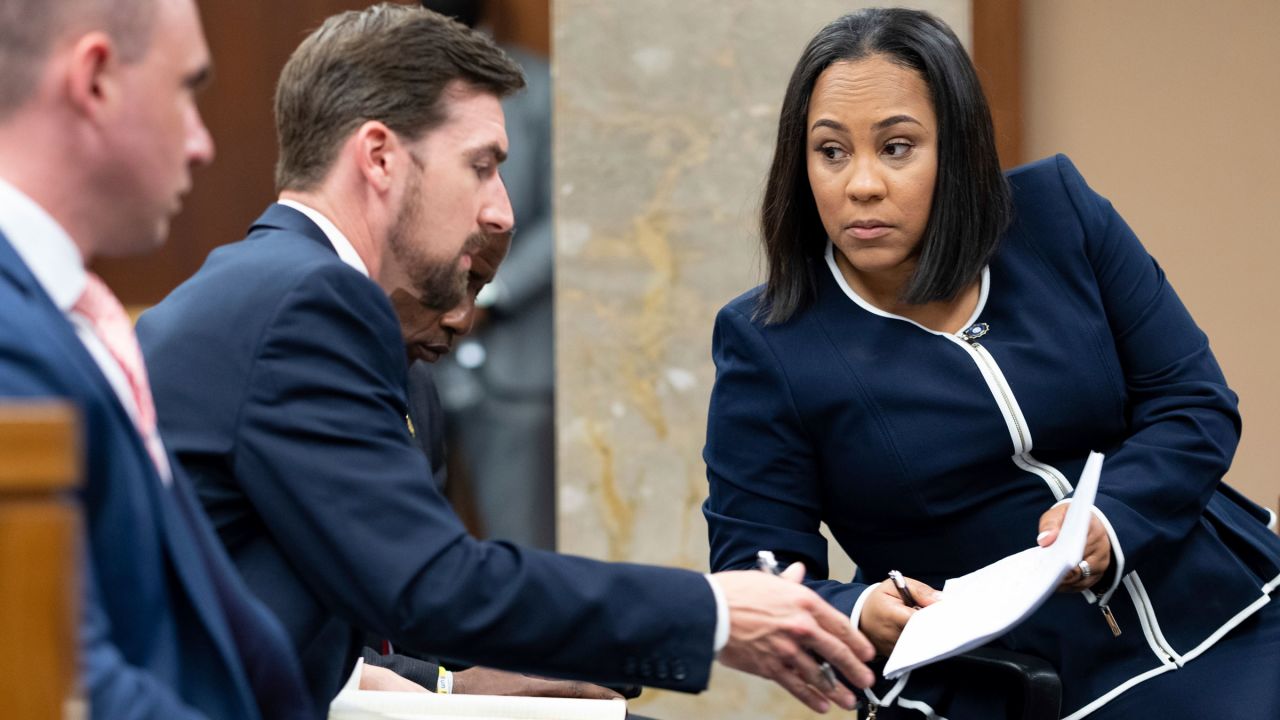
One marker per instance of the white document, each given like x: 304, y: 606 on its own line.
x: 356, y: 704
x: 990, y: 601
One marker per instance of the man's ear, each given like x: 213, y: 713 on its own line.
x: 377, y: 150
x: 92, y: 78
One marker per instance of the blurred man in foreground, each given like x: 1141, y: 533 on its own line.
x: 98, y: 133
x: 280, y: 370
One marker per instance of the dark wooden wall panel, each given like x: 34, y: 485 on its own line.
x: 526, y: 23
x: 997, y: 52
x: 250, y: 41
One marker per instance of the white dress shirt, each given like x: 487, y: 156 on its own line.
x: 55, y: 261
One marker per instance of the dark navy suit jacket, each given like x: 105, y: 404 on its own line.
x: 279, y: 374
x: 168, y: 628
x: 936, y: 456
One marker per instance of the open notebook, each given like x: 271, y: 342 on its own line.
x: 356, y: 704
x: 990, y: 601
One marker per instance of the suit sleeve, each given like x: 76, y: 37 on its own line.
x: 423, y: 672
x: 115, y: 688
x: 1183, y: 421
x: 761, y: 465
x: 324, y: 452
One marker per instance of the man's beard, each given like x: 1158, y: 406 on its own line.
x: 440, y: 285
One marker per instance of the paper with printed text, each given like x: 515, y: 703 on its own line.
x: 990, y: 601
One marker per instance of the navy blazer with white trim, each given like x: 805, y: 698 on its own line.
x: 891, y: 434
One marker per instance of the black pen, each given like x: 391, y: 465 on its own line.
x: 767, y: 562
x: 904, y: 592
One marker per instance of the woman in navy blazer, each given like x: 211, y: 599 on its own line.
x: 936, y: 350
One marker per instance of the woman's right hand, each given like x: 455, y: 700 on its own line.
x: 884, y: 614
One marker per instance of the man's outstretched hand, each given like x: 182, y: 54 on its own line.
x: 774, y: 625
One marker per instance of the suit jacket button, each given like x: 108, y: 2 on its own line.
x: 646, y: 669
x: 679, y: 671
x: 664, y: 671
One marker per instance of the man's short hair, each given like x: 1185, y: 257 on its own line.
x: 389, y: 63
x: 29, y: 28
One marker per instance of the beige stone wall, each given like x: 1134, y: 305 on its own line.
x: 665, y: 119
x: 1169, y: 108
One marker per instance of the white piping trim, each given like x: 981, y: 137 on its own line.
x: 1049, y: 474
x: 1117, y: 556
x: 896, y: 690
x: 1019, y: 429
x: 1147, y: 618
x: 855, y: 615
x: 1145, y: 623
x: 920, y: 707
x: 1226, y: 628
x: 1275, y: 582
x: 1147, y: 629
x: 1014, y: 420
x: 1052, y: 471
x: 1088, y: 593
x: 1165, y: 667
x: 854, y: 296
x: 1022, y: 458
x: 893, y: 691
x: 1111, y: 695
x: 1012, y: 416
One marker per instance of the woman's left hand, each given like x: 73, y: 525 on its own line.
x: 1097, y: 549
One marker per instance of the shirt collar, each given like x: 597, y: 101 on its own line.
x: 44, y: 245
x: 346, y: 251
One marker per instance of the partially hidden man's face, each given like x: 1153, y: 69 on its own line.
x: 429, y: 330
x: 157, y: 134
x: 453, y: 199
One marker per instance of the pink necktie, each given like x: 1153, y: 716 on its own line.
x: 112, y: 326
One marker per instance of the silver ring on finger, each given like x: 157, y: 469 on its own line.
x: 1085, y: 570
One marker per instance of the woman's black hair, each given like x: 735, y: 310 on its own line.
x: 971, y: 205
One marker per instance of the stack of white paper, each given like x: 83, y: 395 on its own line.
x: 988, y: 602
x: 356, y: 704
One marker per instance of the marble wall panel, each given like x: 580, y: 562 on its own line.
x: 665, y: 115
